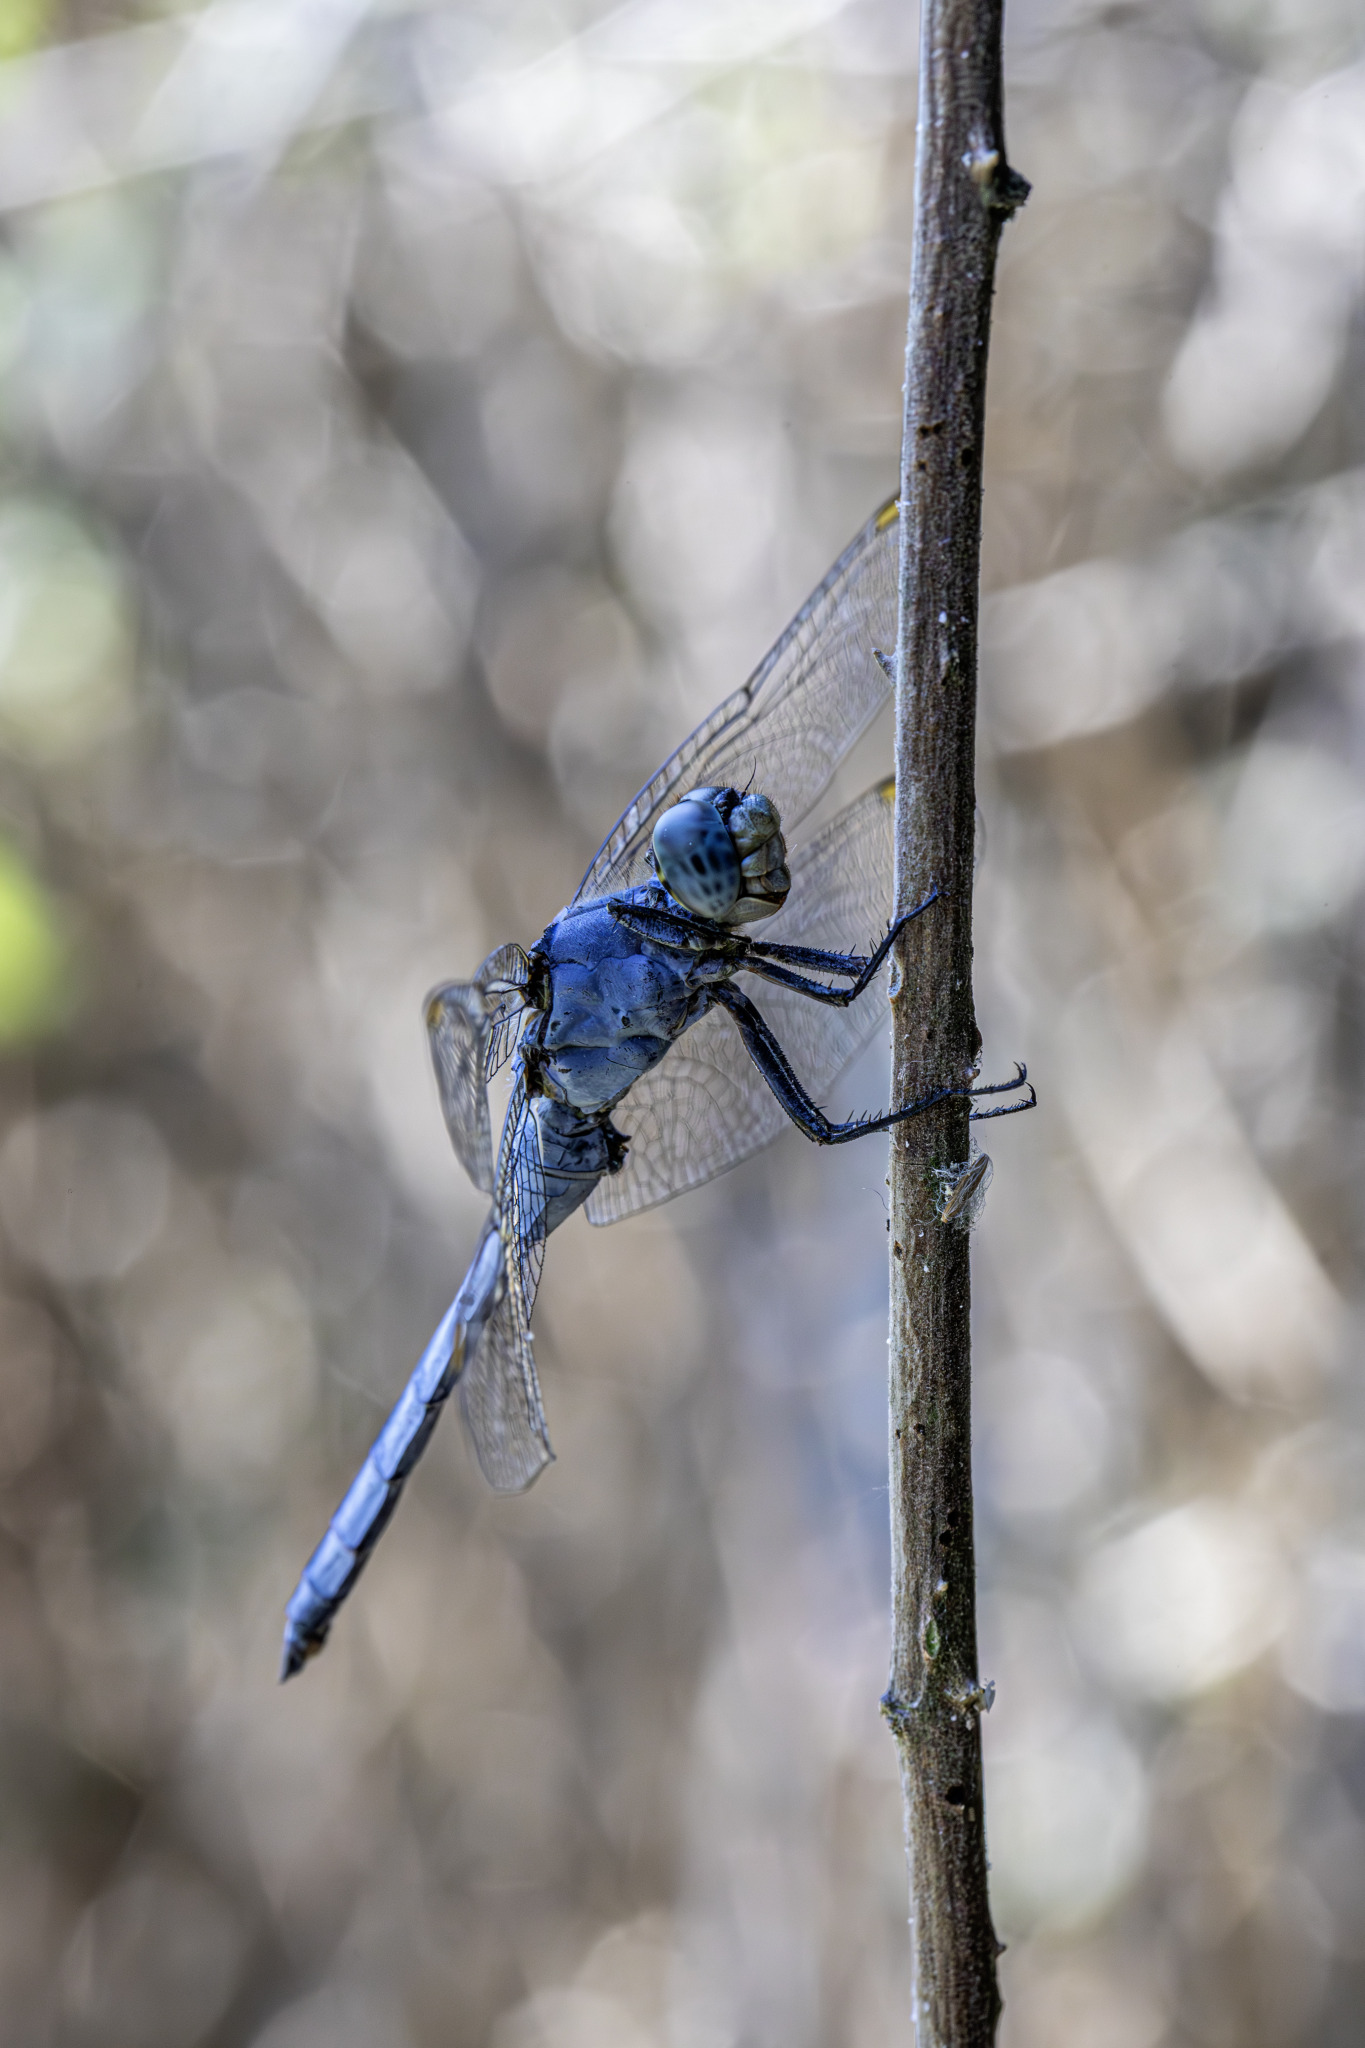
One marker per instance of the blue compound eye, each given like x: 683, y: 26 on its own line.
x: 696, y: 858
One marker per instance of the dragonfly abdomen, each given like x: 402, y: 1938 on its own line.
x: 364, y: 1514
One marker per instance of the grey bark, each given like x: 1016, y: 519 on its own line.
x: 964, y: 191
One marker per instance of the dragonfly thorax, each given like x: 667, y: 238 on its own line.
x: 722, y: 856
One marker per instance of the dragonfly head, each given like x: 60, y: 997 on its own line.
x: 722, y: 856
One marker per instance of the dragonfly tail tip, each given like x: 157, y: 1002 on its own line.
x: 295, y: 1655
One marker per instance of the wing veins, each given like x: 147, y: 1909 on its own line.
x: 811, y: 697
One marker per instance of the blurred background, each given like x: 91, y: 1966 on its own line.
x: 414, y: 417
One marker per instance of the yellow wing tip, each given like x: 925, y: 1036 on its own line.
x: 887, y: 790
x: 888, y: 514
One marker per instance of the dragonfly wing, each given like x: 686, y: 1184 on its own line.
x: 792, y: 723
x: 503, y: 979
x: 472, y: 1026
x: 520, y: 1199
x: 705, y: 1106
x: 500, y: 1402
x: 843, y: 880
x: 457, y: 1026
x: 841, y: 901
x: 499, y: 1388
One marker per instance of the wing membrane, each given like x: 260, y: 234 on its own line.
x: 520, y: 1199
x: 705, y: 1106
x: 791, y: 724
x: 457, y: 1027
x: 499, y: 1388
x: 846, y: 882
x: 500, y: 1402
x: 472, y: 1026
x: 503, y: 979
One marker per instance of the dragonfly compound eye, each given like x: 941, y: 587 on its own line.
x: 696, y: 858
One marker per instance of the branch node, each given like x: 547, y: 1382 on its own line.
x: 1003, y: 190
x: 900, y: 1714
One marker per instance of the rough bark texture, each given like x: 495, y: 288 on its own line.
x: 964, y: 191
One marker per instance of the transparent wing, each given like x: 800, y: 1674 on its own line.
x: 843, y: 890
x: 503, y: 978
x: 500, y: 1402
x: 499, y: 1388
x: 519, y: 1199
x: 792, y: 723
x: 458, y: 1029
x: 705, y: 1106
x: 472, y: 1026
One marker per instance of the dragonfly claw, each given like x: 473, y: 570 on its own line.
x: 1021, y: 1080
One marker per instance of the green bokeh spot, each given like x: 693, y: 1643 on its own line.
x: 23, y: 25
x: 66, y: 635
x: 33, y: 956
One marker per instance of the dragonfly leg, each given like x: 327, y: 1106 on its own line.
x: 363, y: 1516
x: 773, y: 1064
x: 1021, y: 1080
x: 775, y: 963
x: 679, y: 929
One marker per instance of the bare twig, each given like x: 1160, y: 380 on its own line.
x: 964, y: 191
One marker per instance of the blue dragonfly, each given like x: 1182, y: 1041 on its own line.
x: 628, y: 1007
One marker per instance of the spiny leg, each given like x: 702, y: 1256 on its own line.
x: 1005, y: 1087
x: 773, y: 1064
x: 1021, y: 1080
x: 856, y: 965
x: 762, y: 960
x: 766, y: 959
x: 680, y: 929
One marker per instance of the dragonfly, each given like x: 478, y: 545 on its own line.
x: 639, y: 1065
